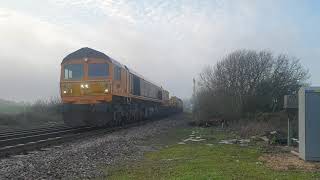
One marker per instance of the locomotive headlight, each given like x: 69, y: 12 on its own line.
x: 84, y: 86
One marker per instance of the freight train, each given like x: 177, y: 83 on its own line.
x: 97, y: 90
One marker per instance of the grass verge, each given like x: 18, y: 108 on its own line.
x: 205, y: 159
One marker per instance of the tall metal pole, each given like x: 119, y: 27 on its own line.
x: 24, y: 112
x: 194, y: 87
x: 194, y: 111
x: 289, y: 131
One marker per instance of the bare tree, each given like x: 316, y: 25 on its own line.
x: 288, y: 76
x: 248, y: 80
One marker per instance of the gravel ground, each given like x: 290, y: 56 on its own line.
x: 86, y: 158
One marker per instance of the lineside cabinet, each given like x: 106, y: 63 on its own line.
x: 309, y: 123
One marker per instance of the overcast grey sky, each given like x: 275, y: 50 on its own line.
x: 168, y: 41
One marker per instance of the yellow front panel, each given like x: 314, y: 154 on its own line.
x: 98, y: 88
x: 71, y: 89
x: 85, y: 88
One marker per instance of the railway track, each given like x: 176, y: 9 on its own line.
x: 16, y: 133
x: 24, y: 141
x: 11, y: 131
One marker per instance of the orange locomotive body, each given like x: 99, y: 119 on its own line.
x: 97, y: 90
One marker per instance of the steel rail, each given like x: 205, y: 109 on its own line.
x: 34, y: 132
x: 3, y: 133
x: 39, y: 136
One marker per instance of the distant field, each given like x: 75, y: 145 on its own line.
x: 17, y: 116
x: 10, y: 107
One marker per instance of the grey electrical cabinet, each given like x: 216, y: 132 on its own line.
x: 309, y: 123
x: 290, y: 102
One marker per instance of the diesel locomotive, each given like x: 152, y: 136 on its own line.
x: 97, y: 90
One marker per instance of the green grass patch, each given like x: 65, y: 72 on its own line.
x: 198, y: 160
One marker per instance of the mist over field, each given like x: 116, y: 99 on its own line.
x: 169, y: 42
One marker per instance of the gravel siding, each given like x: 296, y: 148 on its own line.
x: 86, y: 158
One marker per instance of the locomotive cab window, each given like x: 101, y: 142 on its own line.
x: 117, y: 73
x: 73, y: 71
x: 98, y: 70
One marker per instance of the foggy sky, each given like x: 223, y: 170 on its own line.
x: 167, y: 41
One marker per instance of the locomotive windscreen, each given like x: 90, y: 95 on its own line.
x: 98, y: 70
x: 73, y: 71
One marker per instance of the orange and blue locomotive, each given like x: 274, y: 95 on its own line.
x: 97, y: 90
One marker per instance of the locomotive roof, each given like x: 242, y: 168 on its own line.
x: 91, y: 53
x: 85, y: 53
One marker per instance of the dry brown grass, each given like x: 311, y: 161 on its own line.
x: 246, y: 129
x: 259, y: 124
x: 287, y: 161
x: 253, y: 125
